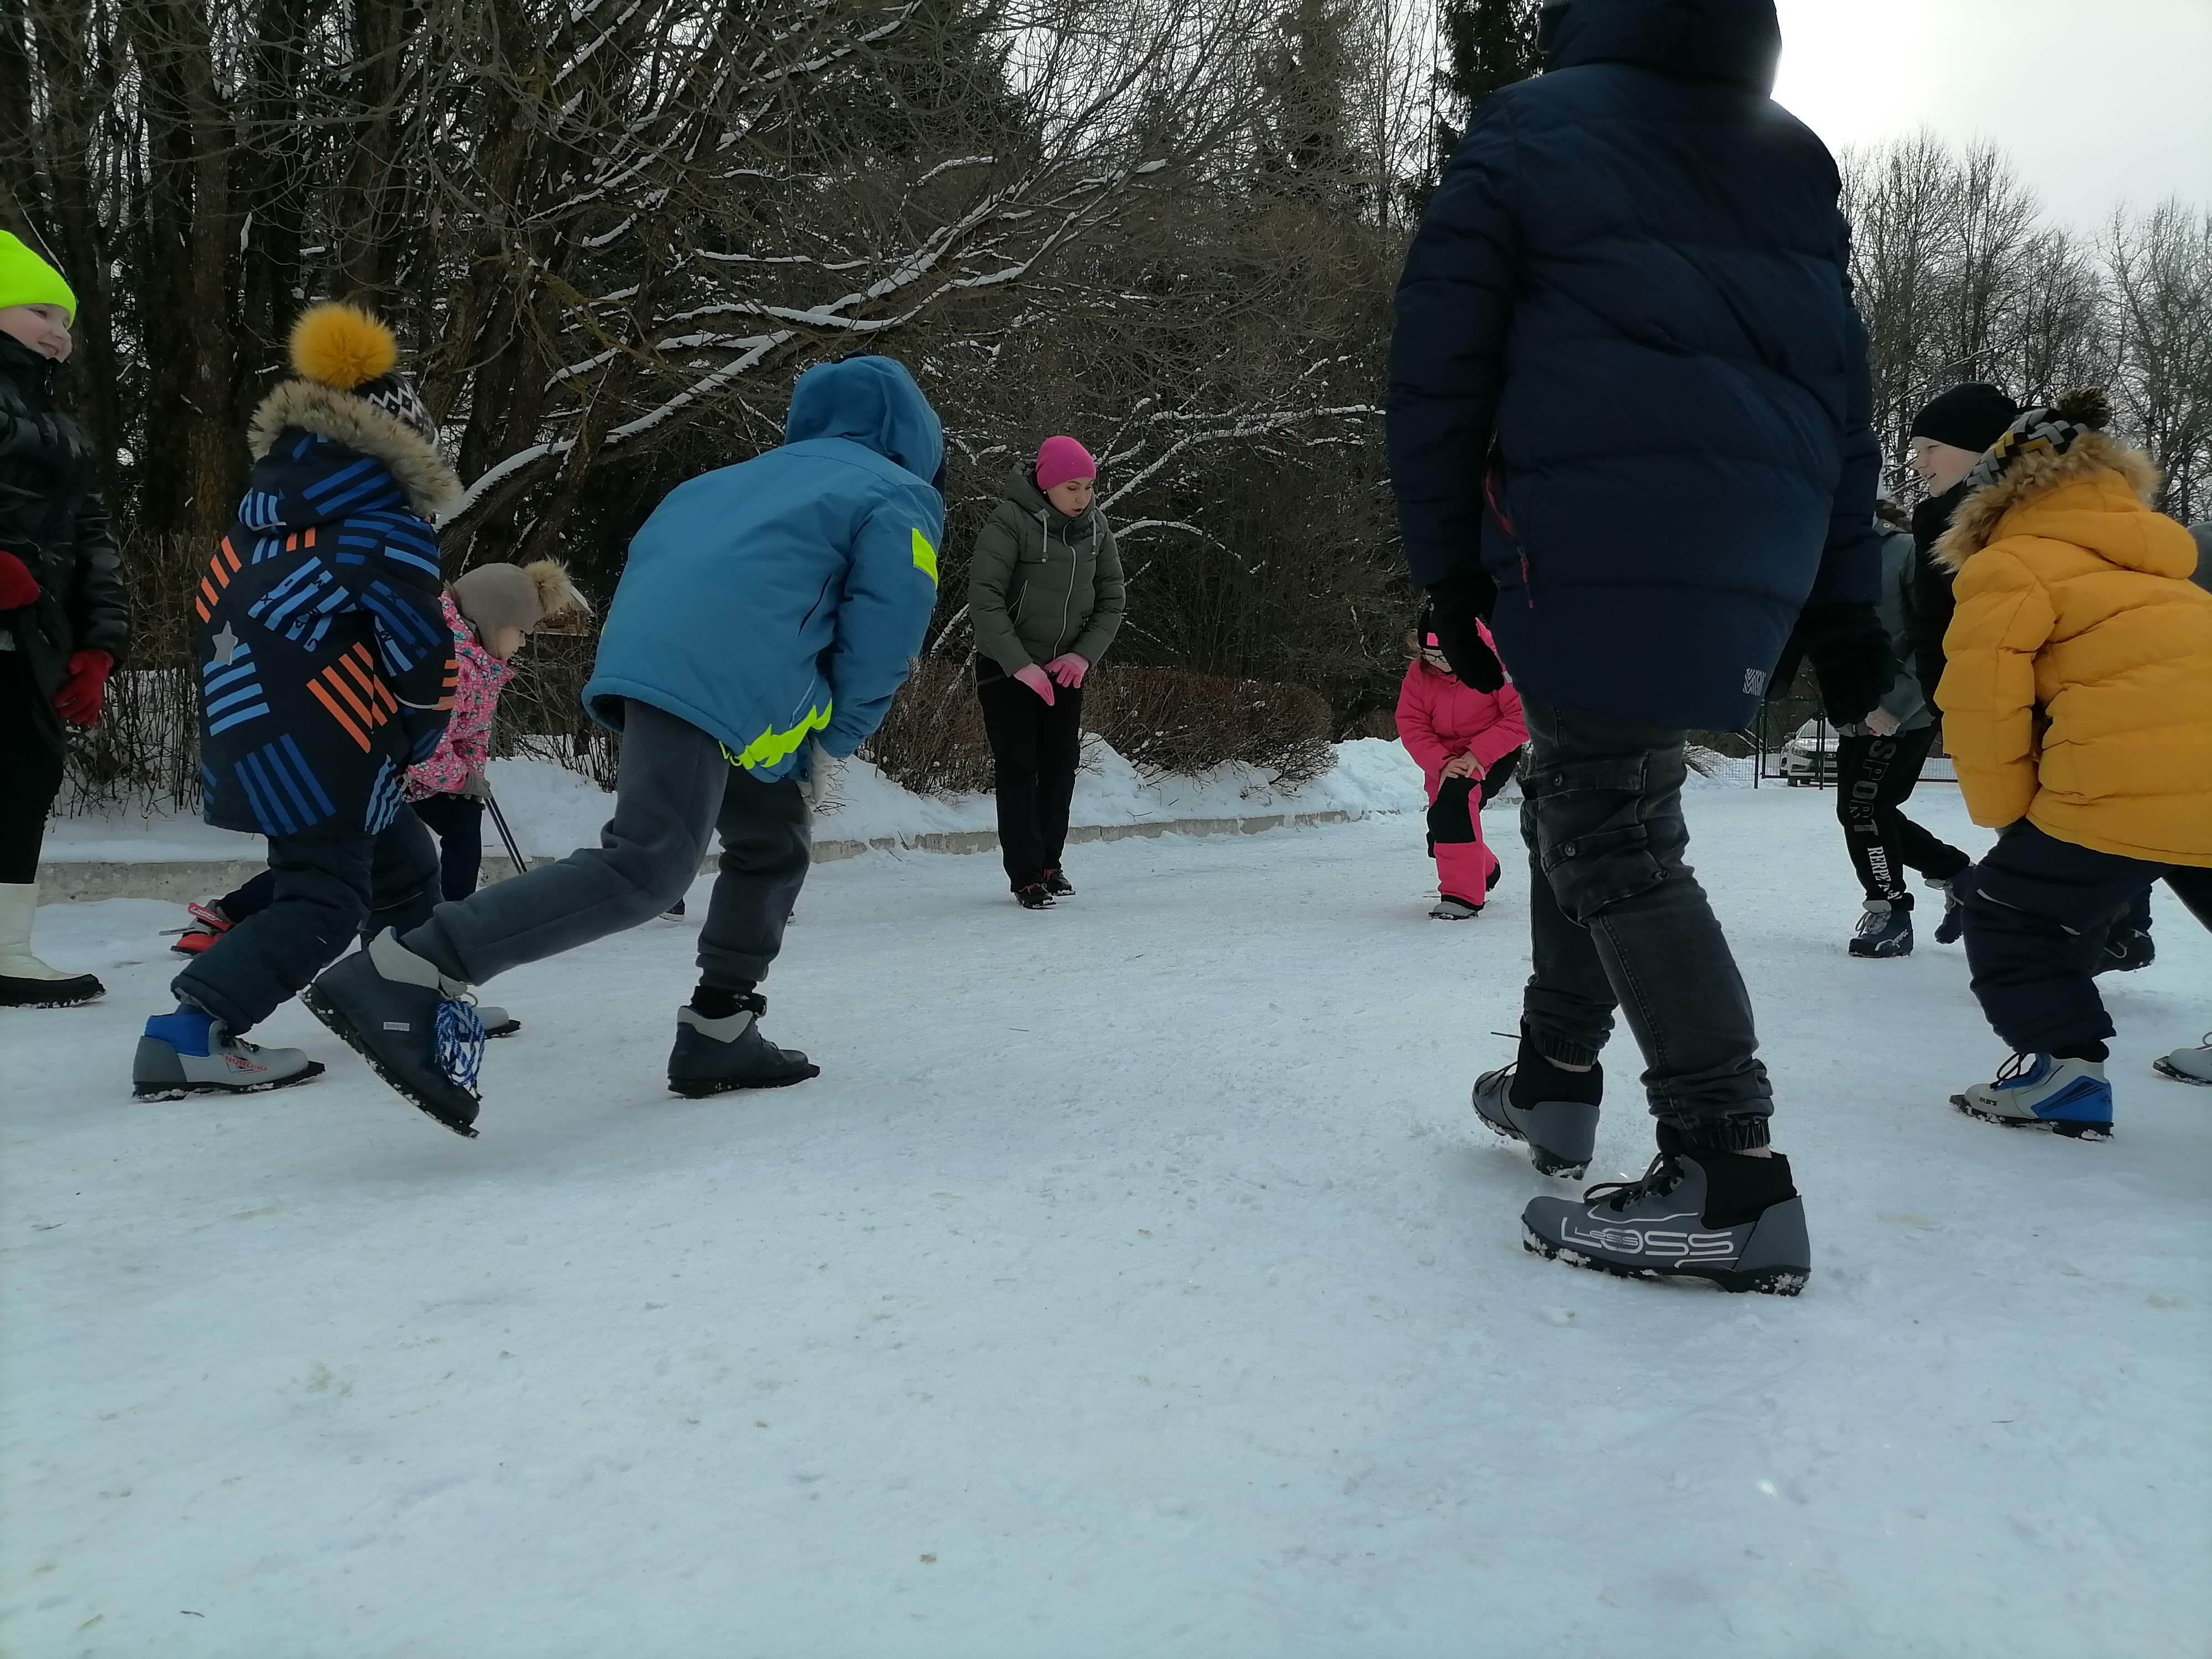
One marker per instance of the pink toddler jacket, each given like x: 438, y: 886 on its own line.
x: 1438, y: 718
x: 467, y: 743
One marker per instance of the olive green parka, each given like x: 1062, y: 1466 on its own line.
x: 1041, y: 584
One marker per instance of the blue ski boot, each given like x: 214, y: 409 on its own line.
x: 1885, y: 929
x: 2038, y: 1091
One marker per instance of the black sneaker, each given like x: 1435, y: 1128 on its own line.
x: 713, y: 1056
x: 1058, y: 885
x: 416, y: 1029
x: 1885, y: 929
x: 1554, y: 1112
x: 1735, y: 1221
x: 1034, y: 896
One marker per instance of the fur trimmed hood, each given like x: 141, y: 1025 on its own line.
x: 1976, y: 523
x: 433, y: 487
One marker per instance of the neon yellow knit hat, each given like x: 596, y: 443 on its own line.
x: 28, y: 280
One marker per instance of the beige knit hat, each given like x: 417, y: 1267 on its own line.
x: 497, y: 596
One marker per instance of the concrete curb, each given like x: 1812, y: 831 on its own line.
x: 182, y: 881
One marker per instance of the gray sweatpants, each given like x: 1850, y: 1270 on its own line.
x: 675, y: 788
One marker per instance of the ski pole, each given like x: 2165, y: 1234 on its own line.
x: 514, y: 852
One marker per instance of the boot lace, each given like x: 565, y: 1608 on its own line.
x: 2018, y: 1066
x: 1660, y: 1178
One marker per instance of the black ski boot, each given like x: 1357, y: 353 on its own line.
x: 1057, y: 884
x: 713, y: 1056
x: 1554, y: 1111
x: 1885, y: 929
x: 1732, y: 1220
x: 1034, y: 896
x: 416, y: 1029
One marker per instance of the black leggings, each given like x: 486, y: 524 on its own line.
x: 458, y: 823
x: 1037, y: 750
x: 1873, y: 777
x: 30, y: 772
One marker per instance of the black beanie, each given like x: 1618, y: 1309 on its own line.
x: 1971, y: 416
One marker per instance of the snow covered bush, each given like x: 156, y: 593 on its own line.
x: 1166, y: 720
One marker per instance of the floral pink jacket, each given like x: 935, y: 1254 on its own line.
x: 467, y: 743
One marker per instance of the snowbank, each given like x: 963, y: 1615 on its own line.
x: 552, y: 810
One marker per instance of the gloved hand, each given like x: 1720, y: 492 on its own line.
x: 1849, y: 649
x: 1455, y: 605
x: 1038, y: 681
x: 814, y: 777
x: 18, y: 586
x: 1068, y: 669
x: 476, y: 785
x: 78, y: 701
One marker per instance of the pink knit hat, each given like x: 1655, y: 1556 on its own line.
x: 1059, y: 459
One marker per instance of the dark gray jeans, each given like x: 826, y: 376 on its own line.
x: 1618, y: 920
x: 675, y: 788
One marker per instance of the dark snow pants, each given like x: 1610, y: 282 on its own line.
x: 1037, y: 750
x: 1618, y: 920
x: 458, y: 823
x: 675, y: 791
x: 1874, y: 777
x: 2037, y: 912
x: 319, y: 894
x: 30, y: 772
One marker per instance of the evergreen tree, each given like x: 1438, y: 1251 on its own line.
x: 1488, y: 44
x: 1303, y: 133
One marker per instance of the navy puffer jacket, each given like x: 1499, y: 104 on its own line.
x: 325, y: 663
x: 1627, y: 379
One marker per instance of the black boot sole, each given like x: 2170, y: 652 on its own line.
x: 2178, y: 1075
x: 2071, y: 1131
x: 321, y: 1007
x: 701, y: 1088
x: 64, y: 999
x: 184, y: 1090
x: 1765, y: 1281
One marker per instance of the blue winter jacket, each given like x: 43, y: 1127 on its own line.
x: 325, y: 665
x: 1627, y: 378
x: 786, y: 596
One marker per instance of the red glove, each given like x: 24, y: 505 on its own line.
x: 18, y: 588
x: 1038, y: 681
x: 1068, y: 670
x: 78, y: 701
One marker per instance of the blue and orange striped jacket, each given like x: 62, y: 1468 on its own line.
x: 326, y: 668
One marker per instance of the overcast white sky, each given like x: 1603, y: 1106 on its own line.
x: 2097, y: 101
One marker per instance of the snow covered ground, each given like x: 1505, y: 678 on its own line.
x: 1134, y: 1282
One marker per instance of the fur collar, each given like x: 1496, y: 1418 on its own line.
x: 1974, y: 526
x: 433, y: 487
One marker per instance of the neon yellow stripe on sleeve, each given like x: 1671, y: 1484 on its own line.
x: 925, y: 557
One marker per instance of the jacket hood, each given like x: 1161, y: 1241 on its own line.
x: 345, y: 422
x: 2104, y: 506
x: 1738, y: 41
x: 873, y: 402
x: 1022, y: 490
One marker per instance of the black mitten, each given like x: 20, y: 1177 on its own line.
x: 1455, y: 605
x: 1850, y: 651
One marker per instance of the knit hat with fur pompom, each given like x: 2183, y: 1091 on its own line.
x: 342, y: 346
x: 2049, y: 430
x: 497, y: 596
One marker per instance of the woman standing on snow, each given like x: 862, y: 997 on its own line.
x: 1046, y: 595
x: 63, y: 623
x: 1467, y: 743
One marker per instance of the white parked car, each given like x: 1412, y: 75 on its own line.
x: 1810, y: 756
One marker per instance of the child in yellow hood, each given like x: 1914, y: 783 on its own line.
x: 2077, y: 705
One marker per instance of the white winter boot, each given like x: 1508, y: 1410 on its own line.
x: 25, y: 982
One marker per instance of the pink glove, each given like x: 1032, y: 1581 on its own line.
x: 1068, y: 669
x: 1038, y: 681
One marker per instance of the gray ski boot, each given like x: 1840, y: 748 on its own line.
x: 713, y: 1056
x: 1744, y: 1231
x: 1534, y: 1101
x: 2188, y: 1065
x: 189, y: 1053
x: 416, y: 1029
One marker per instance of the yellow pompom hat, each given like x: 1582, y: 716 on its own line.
x: 342, y: 346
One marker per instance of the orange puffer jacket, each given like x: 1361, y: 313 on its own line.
x: 2078, y: 693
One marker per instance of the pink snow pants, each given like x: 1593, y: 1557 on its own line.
x: 1463, y: 867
